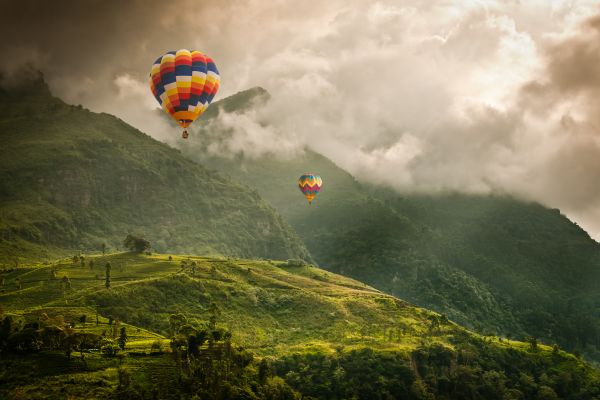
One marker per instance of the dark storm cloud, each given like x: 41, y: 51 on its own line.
x: 79, y: 37
x: 98, y: 52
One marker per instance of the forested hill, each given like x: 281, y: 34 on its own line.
x: 495, y: 264
x: 317, y: 335
x: 71, y: 179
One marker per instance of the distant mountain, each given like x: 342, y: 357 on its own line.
x: 495, y: 264
x: 71, y: 179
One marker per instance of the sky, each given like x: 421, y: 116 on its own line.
x: 422, y: 96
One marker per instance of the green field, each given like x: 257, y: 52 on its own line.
x: 294, y: 315
x: 269, y: 307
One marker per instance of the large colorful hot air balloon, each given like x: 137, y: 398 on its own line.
x: 184, y: 83
x: 310, y: 185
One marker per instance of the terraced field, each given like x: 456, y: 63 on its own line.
x: 293, y: 314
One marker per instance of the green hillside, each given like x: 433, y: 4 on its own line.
x: 312, y: 333
x: 71, y: 179
x: 495, y: 264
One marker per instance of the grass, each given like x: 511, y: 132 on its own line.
x: 271, y: 309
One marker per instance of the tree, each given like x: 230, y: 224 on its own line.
x: 109, y: 348
x: 107, y: 278
x: 6, y: 329
x: 555, y: 350
x: 66, y: 284
x: 176, y: 321
x: 533, y: 345
x: 110, y: 320
x: 135, y: 243
x: 103, y: 248
x: 82, y: 261
x: 80, y: 342
x: 122, y: 338
x: 264, y: 371
x: 91, y: 264
x: 115, y: 328
x: 215, y: 313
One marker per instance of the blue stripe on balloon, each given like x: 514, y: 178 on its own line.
x: 212, y: 67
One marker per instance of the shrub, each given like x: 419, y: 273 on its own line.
x: 294, y: 262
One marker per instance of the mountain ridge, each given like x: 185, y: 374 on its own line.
x: 73, y: 179
x: 493, y: 263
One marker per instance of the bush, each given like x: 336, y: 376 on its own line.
x: 109, y: 348
x: 157, y: 346
x: 294, y: 262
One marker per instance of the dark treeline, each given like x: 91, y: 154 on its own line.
x: 472, y: 371
x: 206, y: 364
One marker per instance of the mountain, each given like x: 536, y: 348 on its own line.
x: 278, y: 330
x: 493, y: 263
x: 71, y: 179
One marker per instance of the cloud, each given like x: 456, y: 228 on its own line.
x: 242, y: 134
x: 22, y: 64
x: 479, y: 97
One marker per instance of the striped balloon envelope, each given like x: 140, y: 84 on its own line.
x: 184, y: 83
x: 310, y: 185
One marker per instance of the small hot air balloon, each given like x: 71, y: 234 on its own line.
x: 184, y: 83
x: 310, y: 185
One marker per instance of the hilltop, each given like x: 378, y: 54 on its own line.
x: 317, y: 334
x: 71, y: 180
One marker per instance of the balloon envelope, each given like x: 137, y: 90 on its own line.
x: 184, y: 83
x: 310, y: 185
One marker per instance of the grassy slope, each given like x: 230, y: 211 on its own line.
x: 72, y: 179
x: 272, y: 309
x: 269, y: 307
x: 492, y: 263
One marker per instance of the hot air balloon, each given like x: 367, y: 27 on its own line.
x: 310, y: 185
x: 184, y: 83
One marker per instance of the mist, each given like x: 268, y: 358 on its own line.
x: 476, y: 97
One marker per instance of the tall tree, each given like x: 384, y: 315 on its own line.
x: 66, y: 284
x: 215, y: 313
x: 122, y: 338
x: 107, y: 277
x: 136, y: 243
x: 115, y: 328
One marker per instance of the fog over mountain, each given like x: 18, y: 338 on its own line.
x: 478, y: 97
